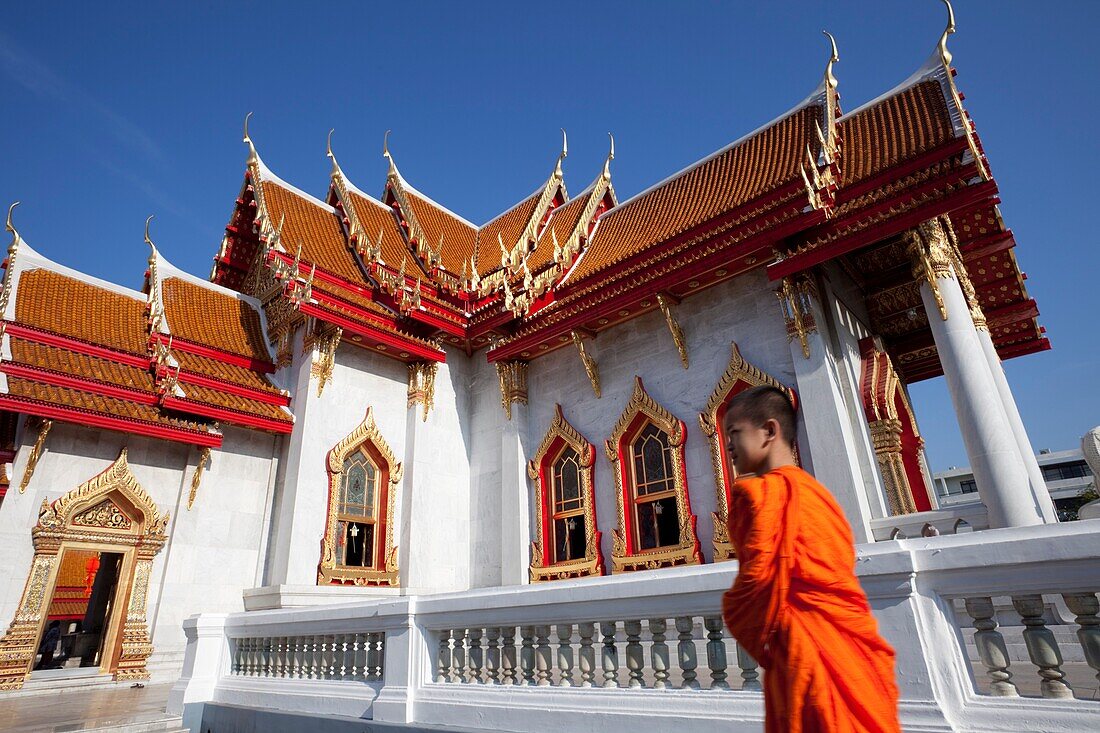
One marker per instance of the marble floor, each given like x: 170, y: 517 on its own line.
x: 77, y: 709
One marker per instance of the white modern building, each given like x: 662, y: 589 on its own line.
x: 1065, y: 473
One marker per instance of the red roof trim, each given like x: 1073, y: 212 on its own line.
x: 227, y: 415
x: 240, y: 390
x: 414, y: 348
x: 48, y: 338
x: 191, y: 347
x: 68, y: 381
x: 110, y: 422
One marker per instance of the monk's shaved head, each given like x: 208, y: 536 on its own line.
x: 760, y: 404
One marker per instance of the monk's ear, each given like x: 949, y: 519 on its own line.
x: 771, y: 429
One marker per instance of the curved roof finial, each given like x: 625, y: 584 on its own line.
x: 9, y: 226
x: 149, y: 241
x: 945, y: 55
x: 330, y: 156
x: 563, y: 154
x: 386, y: 153
x: 610, y: 157
x: 830, y: 79
x: 253, y: 156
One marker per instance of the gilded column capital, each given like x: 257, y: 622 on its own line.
x: 796, y: 294
x: 513, y: 384
x: 422, y: 385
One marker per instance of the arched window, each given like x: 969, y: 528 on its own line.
x: 646, y: 450
x: 358, y: 512
x: 567, y: 544
x: 358, y: 544
x: 739, y: 376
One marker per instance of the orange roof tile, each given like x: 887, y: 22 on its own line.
x: 88, y: 402
x: 229, y: 401
x: 729, y: 179
x: 896, y: 129
x: 459, y: 237
x: 212, y: 318
x: 222, y: 371
x: 314, y: 227
x: 374, y: 217
x: 509, y: 226
x: 65, y: 306
x: 67, y: 362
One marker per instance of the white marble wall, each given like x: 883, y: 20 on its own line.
x: 744, y: 310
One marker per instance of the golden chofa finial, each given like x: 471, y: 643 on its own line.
x: 563, y: 154
x: 610, y: 157
x: 945, y: 55
x: 253, y: 156
x: 830, y: 80
x: 386, y: 153
x: 8, y: 225
x: 328, y: 154
x: 149, y: 241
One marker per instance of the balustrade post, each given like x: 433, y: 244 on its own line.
x: 588, y: 653
x: 330, y: 657
x: 508, y: 655
x: 716, y: 653
x: 459, y: 657
x: 992, y: 651
x: 634, y: 659
x: 686, y: 653
x: 361, y: 641
x: 1042, y: 646
x: 253, y: 661
x: 374, y: 656
x: 565, y: 654
x: 750, y: 675
x: 477, y: 656
x: 609, y: 655
x: 311, y: 657
x: 658, y: 652
x: 342, y: 654
x: 542, y: 655
x: 294, y: 652
x: 443, y: 664
x: 1085, y: 607
x: 527, y: 655
x: 492, y: 656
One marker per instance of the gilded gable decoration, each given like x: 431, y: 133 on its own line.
x: 646, y: 451
x: 562, y: 471
x: 591, y: 367
x: 665, y: 302
x: 364, y: 476
x: 110, y: 512
x: 739, y: 376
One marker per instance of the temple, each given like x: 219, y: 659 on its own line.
x: 382, y: 451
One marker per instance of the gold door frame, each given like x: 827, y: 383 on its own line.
x: 739, y: 376
x: 108, y: 513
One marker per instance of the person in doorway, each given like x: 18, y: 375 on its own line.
x: 796, y: 605
x: 49, y: 645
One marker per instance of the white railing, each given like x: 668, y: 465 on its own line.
x: 649, y: 648
x: 954, y: 519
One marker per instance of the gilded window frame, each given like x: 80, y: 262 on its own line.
x: 639, y: 409
x: 738, y: 376
x: 386, y: 570
x: 561, y: 435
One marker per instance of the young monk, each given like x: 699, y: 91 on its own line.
x: 796, y: 605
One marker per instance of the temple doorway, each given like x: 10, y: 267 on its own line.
x: 84, y: 601
x: 79, y: 623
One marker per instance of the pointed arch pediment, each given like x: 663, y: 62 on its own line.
x: 626, y: 552
x: 561, y: 437
x: 384, y: 570
x: 738, y: 376
x: 96, y: 503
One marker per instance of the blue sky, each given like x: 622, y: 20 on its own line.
x: 112, y: 112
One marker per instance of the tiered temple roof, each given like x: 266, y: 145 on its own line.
x: 401, y: 275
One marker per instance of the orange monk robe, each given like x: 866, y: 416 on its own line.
x: 798, y: 609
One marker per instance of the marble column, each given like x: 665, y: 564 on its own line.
x: 830, y: 448
x: 1039, y: 490
x: 515, y: 500
x: 999, y: 472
